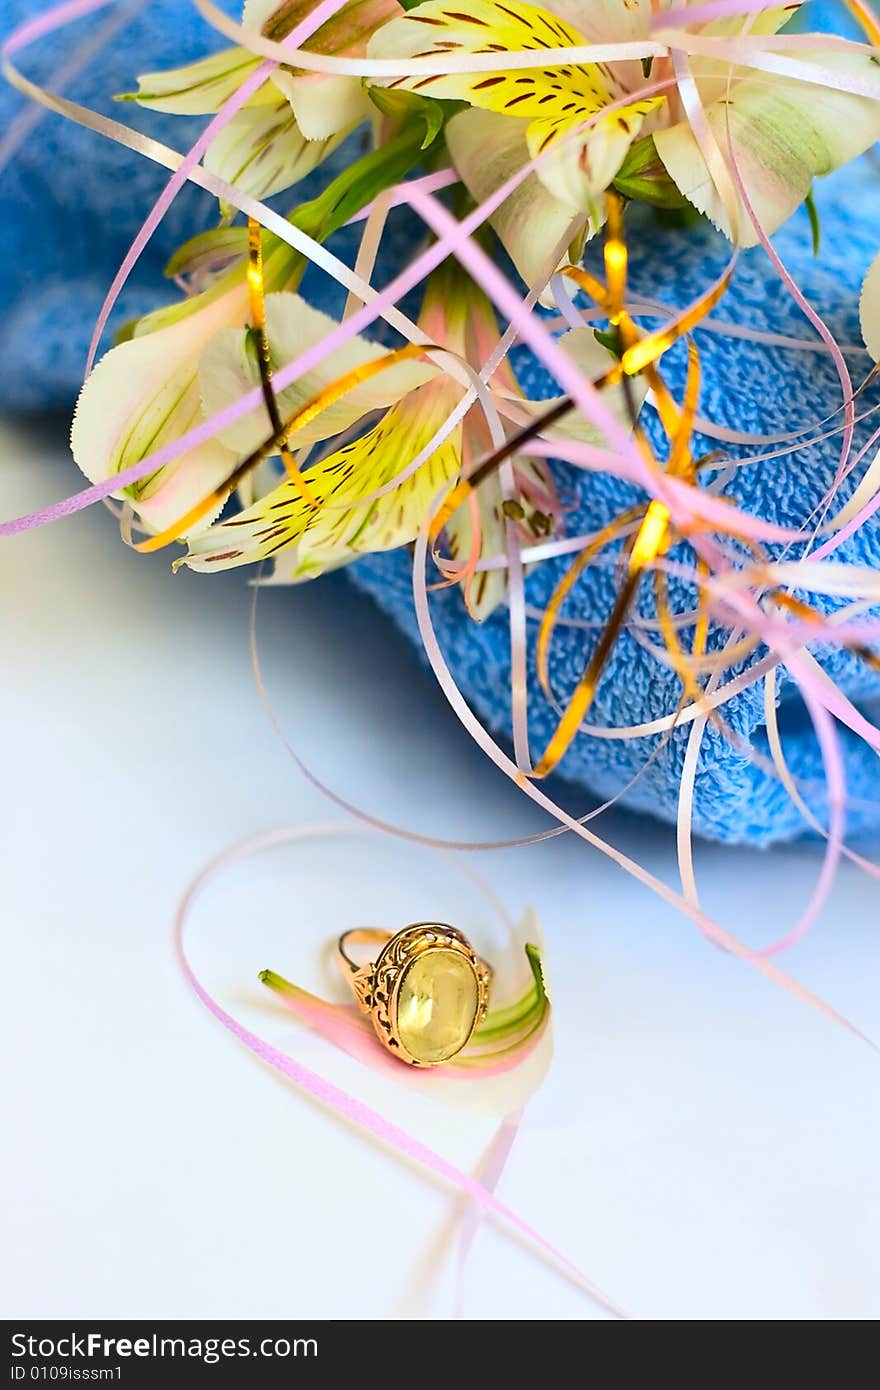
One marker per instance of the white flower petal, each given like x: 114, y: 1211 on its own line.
x: 144, y: 394
x: 580, y: 167
x: 869, y: 310
x: 257, y: 12
x: 784, y: 133
x: 325, y: 106
x: 262, y: 150
x: 199, y: 89
x: 487, y: 150
x: 229, y: 368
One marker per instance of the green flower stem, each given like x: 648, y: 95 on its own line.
x: 283, y: 265
x: 348, y: 193
x: 493, y: 1030
x: 475, y: 1060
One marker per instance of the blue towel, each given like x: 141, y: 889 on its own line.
x: 746, y: 387
x: 63, y: 235
x: 71, y: 202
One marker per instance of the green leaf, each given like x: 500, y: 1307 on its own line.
x: 218, y: 243
x: 406, y: 107
x: 642, y: 177
x: 815, y: 228
x: 358, y: 185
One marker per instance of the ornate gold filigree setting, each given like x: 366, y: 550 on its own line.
x: 377, y: 986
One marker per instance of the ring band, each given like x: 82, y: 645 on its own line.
x: 425, y: 991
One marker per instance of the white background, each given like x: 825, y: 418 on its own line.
x: 705, y: 1146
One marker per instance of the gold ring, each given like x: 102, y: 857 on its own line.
x: 426, y: 991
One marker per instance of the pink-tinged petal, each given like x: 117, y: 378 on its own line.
x: 477, y: 531
x: 783, y: 134
x: 345, y: 32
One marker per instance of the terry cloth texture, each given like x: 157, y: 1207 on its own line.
x: 748, y: 387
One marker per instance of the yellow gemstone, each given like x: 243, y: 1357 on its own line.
x: 437, y: 1005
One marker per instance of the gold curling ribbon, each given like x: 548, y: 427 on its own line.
x: 257, y: 297
x: 653, y: 536
x: 610, y: 533
x: 865, y: 16
x: 298, y: 420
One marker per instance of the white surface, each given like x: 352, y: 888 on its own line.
x: 704, y: 1147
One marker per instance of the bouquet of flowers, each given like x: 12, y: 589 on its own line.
x: 523, y: 348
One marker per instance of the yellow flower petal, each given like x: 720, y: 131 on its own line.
x: 343, y: 526
x: 484, y: 26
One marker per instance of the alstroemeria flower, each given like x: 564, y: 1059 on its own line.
x: 148, y: 392
x: 869, y: 310
x: 305, y: 539
x: 420, y: 396
x: 782, y: 132
x: 538, y: 112
x: 296, y: 119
